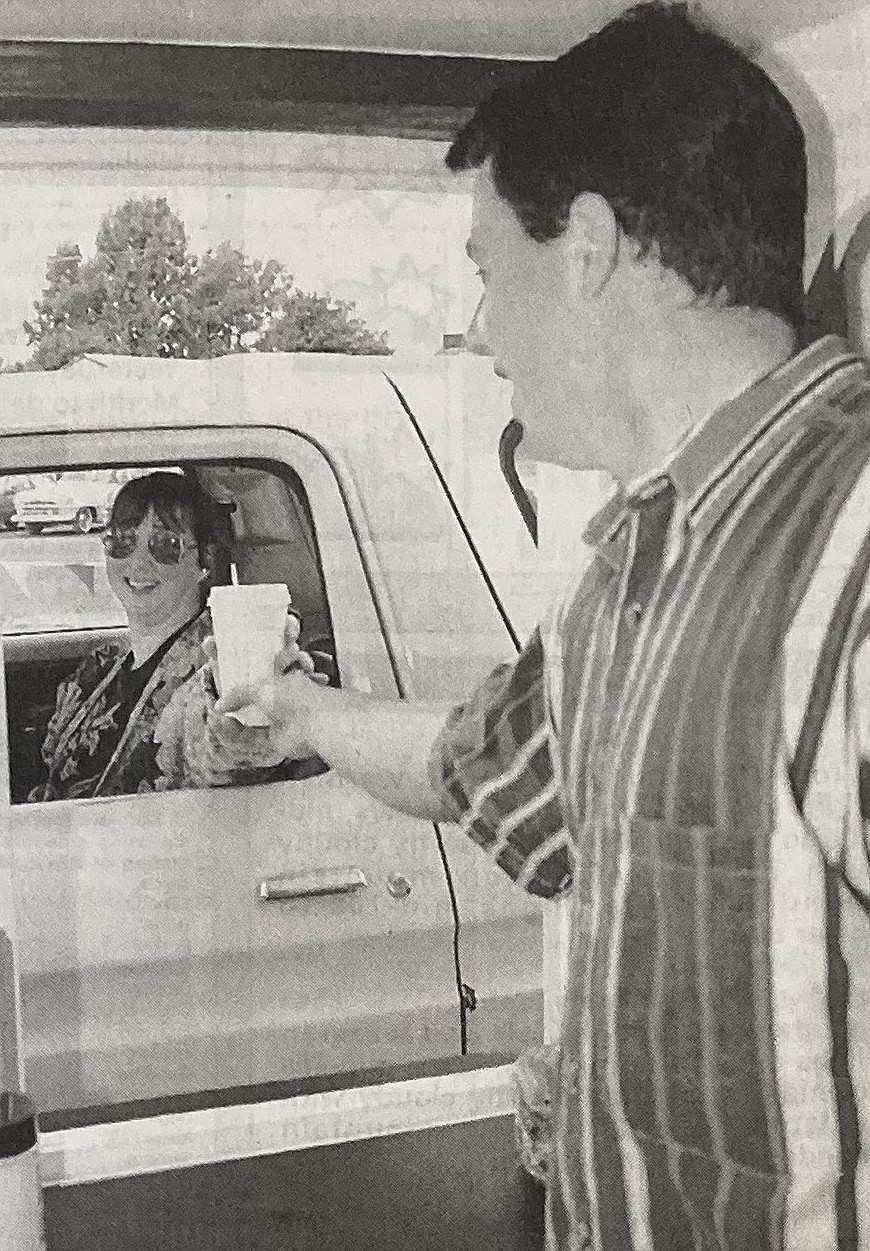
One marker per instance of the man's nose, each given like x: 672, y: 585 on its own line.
x: 475, y: 335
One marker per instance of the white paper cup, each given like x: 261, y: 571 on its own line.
x: 248, y: 623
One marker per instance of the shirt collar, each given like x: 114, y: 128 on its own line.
x: 716, y: 446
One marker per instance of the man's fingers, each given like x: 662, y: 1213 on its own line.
x: 223, y: 731
x: 290, y: 657
x: 240, y: 696
x: 286, y: 658
x: 292, y: 627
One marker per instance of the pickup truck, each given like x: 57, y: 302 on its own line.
x: 196, y: 940
x: 80, y: 500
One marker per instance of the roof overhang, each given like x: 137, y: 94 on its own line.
x: 513, y: 29
x: 411, y: 70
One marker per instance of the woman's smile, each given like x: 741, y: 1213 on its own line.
x: 139, y: 587
x: 156, y: 596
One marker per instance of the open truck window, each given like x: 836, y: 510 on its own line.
x: 67, y: 635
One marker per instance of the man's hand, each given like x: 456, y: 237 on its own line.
x: 383, y: 746
x: 222, y: 749
x: 286, y: 702
x: 283, y: 701
x: 199, y: 746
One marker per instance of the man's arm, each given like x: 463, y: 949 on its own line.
x: 384, y: 746
x: 485, y: 763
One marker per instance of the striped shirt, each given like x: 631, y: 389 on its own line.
x: 715, y: 1050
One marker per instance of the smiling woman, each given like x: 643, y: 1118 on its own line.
x: 162, y: 549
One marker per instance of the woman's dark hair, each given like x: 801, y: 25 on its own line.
x: 178, y: 502
x: 696, y: 150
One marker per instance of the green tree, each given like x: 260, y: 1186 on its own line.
x: 144, y: 293
x: 318, y: 323
x: 120, y: 300
x: 227, y: 302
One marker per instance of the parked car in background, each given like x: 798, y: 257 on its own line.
x: 9, y: 488
x: 182, y: 941
x: 77, y: 499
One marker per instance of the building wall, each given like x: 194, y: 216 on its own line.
x: 377, y: 221
x: 832, y: 64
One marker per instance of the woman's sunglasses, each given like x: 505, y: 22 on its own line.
x: 165, y: 546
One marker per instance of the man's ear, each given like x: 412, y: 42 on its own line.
x: 592, y: 238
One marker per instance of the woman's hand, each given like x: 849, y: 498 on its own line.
x: 290, y: 658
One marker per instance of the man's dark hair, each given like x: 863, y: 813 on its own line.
x: 698, y: 153
x: 177, y: 501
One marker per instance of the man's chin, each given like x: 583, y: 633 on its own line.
x: 547, y: 447
x: 534, y: 444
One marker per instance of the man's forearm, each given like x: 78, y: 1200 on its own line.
x: 383, y: 746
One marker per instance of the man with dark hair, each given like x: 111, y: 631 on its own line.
x: 682, y: 740
x: 699, y: 156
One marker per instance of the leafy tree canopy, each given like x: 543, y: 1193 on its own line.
x: 144, y: 293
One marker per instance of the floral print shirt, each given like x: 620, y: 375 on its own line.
x: 100, y: 739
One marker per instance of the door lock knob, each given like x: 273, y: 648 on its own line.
x: 398, y: 886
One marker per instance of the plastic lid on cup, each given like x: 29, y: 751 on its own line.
x: 270, y: 591
x: 17, y: 1123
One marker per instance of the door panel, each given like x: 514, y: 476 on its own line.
x: 193, y: 968
x: 150, y: 966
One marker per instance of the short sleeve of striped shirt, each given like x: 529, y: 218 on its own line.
x: 493, y: 766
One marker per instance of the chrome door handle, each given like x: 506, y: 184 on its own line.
x: 304, y: 885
